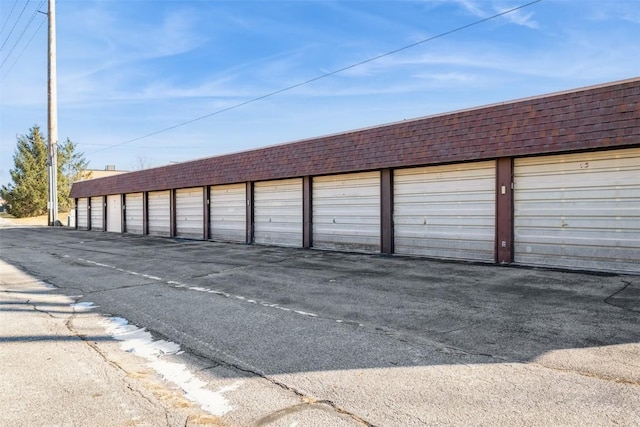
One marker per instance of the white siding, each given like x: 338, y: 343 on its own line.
x: 83, y: 213
x: 190, y: 213
x: 114, y: 213
x: 278, y: 212
x: 228, y: 212
x: 97, y: 213
x: 446, y: 211
x: 346, y: 212
x: 134, y: 216
x: 579, y: 210
x: 160, y: 213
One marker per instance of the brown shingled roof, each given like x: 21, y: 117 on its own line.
x: 597, y: 117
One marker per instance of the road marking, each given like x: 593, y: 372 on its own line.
x: 199, y: 288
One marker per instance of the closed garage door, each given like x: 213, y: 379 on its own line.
x: 346, y: 212
x: 579, y: 210
x: 114, y: 213
x: 228, y: 212
x: 97, y: 213
x: 190, y: 213
x: 134, y: 217
x: 83, y: 213
x: 278, y: 212
x: 160, y: 213
x: 446, y: 211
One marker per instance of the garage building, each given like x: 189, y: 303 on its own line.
x: 550, y: 181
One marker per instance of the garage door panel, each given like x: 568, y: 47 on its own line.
x: 114, y: 213
x: 97, y: 213
x: 190, y: 213
x: 446, y: 211
x: 455, y: 224
x: 444, y: 245
x: 134, y: 213
x: 615, y: 262
x: 575, y: 255
x: 83, y: 213
x: 439, y: 190
x: 579, y: 193
x: 579, y: 210
x: 600, y: 225
x: 228, y: 212
x: 435, y: 211
x: 577, y: 164
x: 159, y: 207
x: 608, y: 237
x: 278, y: 212
x: 346, y: 212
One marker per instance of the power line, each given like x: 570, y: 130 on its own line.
x: 44, y: 19
x: 322, y: 76
x: 24, y: 30
x: 8, y: 16
x: 14, y: 25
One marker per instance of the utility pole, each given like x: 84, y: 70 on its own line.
x: 52, y: 165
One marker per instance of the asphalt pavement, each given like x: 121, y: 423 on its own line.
x: 301, y: 337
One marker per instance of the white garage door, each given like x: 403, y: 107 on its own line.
x: 83, y: 213
x: 190, y: 213
x: 134, y: 216
x: 114, y: 213
x: 346, y: 212
x: 228, y: 212
x: 160, y: 213
x: 579, y: 210
x: 97, y: 213
x: 446, y: 211
x: 278, y: 212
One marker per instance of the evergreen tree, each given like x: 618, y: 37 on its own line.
x: 71, y: 167
x: 27, y: 195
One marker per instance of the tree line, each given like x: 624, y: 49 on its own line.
x: 27, y: 194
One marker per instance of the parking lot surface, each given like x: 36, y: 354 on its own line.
x: 327, y: 338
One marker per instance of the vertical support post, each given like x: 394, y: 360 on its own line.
x: 386, y: 211
x: 307, y: 212
x: 145, y: 213
x: 104, y: 212
x: 504, y: 210
x: 123, y: 213
x: 172, y: 212
x: 250, y: 216
x: 75, y: 213
x: 206, y: 195
x: 88, y: 213
x: 52, y: 104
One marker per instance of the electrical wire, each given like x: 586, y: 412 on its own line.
x: 14, y: 25
x: 44, y: 19
x: 24, y: 30
x: 8, y: 16
x: 322, y: 76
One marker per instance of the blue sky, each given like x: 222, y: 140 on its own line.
x: 128, y: 68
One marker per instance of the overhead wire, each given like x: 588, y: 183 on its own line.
x: 8, y: 17
x: 44, y: 19
x: 15, y: 24
x: 322, y: 76
x: 24, y: 30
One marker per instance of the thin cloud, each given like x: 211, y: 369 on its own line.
x: 517, y: 17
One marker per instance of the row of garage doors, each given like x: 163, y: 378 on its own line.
x: 577, y: 211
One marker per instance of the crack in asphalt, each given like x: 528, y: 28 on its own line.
x: 588, y: 374
x: 100, y: 291
x: 69, y: 325
x: 325, y: 405
x: 230, y: 361
x: 626, y: 285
